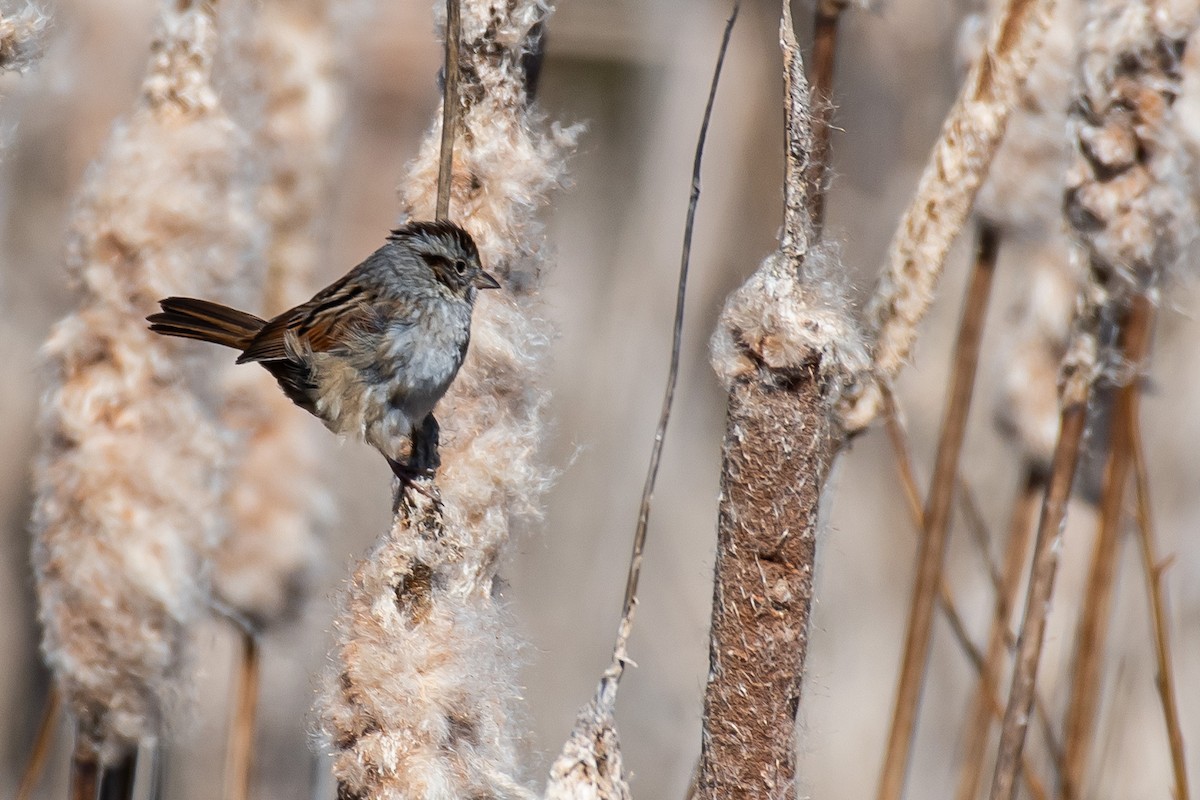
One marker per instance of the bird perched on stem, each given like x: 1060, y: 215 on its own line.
x: 371, y: 354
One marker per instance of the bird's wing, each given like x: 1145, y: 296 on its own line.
x: 335, y: 316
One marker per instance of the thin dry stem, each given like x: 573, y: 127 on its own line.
x: 117, y: 780
x: 42, y: 740
x: 1092, y: 632
x: 1041, y: 588
x: 983, y: 704
x: 639, y: 538
x: 450, y: 108
x: 935, y: 533
x: 824, y: 56
x: 239, y: 760
x: 939, y: 209
x: 590, y: 765
x: 85, y: 771
x: 1165, y: 679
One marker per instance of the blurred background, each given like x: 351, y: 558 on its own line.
x: 636, y: 72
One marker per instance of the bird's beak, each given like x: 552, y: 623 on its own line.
x: 484, y: 280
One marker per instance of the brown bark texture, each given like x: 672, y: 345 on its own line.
x: 779, y: 444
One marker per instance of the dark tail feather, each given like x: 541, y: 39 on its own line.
x: 190, y: 318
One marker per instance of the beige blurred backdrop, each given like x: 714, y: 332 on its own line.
x: 637, y: 74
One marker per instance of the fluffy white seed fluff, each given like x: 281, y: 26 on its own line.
x: 423, y: 700
x: 266, y: 566
x: 22, y: 31
x: 130, y: 460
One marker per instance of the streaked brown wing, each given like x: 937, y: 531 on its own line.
x: 324, y: 323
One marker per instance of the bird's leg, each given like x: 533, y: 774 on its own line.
x: 423, y: 459
x: 425, y: 446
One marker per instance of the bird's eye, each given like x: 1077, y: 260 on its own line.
x: 460, y: 267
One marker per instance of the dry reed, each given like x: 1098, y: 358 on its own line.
x: 939, y: 208
x: 423, y: 699
x: 936, y: 517
x: 120, y: 550
x: 1129, y: 202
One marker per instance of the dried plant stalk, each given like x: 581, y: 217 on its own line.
x: 1092, y: 632
x: 980, y: 717
x: 936, y: 518
x: 42, y: 740
x: 424, y: 699
x: 939, y: 208
x: 1128, y: 200
x: 1165, y: 679
x: 124, y: 520
x: 590, y: 766
x: 266, y: 566
x: 21, y: 34
x: 784, y: 348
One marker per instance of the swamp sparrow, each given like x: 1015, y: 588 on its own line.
x: 371, y: 354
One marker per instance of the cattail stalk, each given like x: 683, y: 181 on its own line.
x: 125, y: 518
x: 424, y: 698
x: 784, y: 348
x: 939, y: 209
x: 1132, y: 213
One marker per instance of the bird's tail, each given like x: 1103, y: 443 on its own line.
x: 190, y: 318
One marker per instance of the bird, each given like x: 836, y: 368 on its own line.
x: 371, y: 354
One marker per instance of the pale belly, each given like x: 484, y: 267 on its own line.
x: 381, y: 399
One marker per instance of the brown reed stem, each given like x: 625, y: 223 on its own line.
x: 1165, y: 679
x: 979, y: 720
x: 42, y: 739
x: 639, y: 538
x: 824, y: 55
x: 980, y: 536
x: 932, y: 548
x: 450, y: 108
x: 1092, y: 632
x: 239, y: 761
x: 1041, y: 588
x: 908, y: 480
x: 117, y: 780
x: 85, y: 771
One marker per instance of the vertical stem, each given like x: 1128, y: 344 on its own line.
x: 41, y: 744
x: 1093, y: 624
x: 85, y: 772
x: 1165, y: 680
x: 239, y: 761
x: 825, y: 29
x: 779, y: 444
x: 932, y: 549
x: 117, y: 780
x: 1037, y: 599
x: 979, y: 721
x: 449, y: 108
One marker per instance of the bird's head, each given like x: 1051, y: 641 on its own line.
x: 450, y: 253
